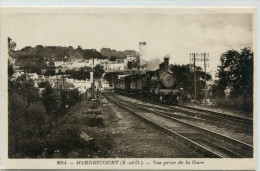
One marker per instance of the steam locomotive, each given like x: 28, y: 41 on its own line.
x: 157, y: 86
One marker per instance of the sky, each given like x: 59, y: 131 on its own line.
x: 176, y: 32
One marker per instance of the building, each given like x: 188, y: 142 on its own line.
x: 119, y: 64
x: 104, y: 61
x: 142, y: 48
x: 58, y: 63
x: 17, y: 73
x: 32, y: 76
x: 38, y: 81
x: 51, y: 80
x: 81, y: 85
x: 131, y: 58
x: 114, y: 66
x: 11, y: 60
x: 63, y: 83
x: 90, y: 62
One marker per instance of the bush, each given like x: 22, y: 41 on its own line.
x: 236, y: 103
x: 28, y: 125
x: 30, y: 118
x: 70, y: 98
x: 63, y: 138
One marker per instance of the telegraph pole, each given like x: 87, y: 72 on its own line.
x: 192, y: 58
x: 63, y: 80
x: 57, y: 82
x: 93, y: 83
x: 195, y: 84
x: 205, y: 70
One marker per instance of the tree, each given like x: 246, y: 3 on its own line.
x: 236, y: 71
x: 224, y: 73
x: 184, y: 78
x: 98, y: 71
x: 79, y: 47
x: 27, y: 120
x: 92, y: 53
x: 112, y: 58
x: 113, y: 54
x: 11, y: 45
x: 50, y: 72
x: 10, y: 69
x: 130, y: 65
x: 44, y: 84
x: 51, y: 100
x: 69, y: 98
x: 31, y: 119
x: 25, y: 88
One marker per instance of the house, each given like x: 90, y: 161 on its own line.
x: 43, y: 71
x: 78, y: 64
x: 113, y: 66
x: 41, y: 77
x: 63, y: 83
x: 104, y: 61
x: 58, y: 63
x: 89, y: 62
x: 32, y: 76
x: 81, y: 85
x: 119, y: 60
x: 38, y: 81
x: 18, y: 73
x: 11, y: 60
x: 51, y: 80
x: 59, y: 69
x: 130, y: 58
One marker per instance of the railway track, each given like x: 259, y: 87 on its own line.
x: 221, y: 120
x: 238, y: 123
x: 206, y: 143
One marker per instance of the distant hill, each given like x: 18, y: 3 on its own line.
x: 52, y: 53
x: 41, y: 54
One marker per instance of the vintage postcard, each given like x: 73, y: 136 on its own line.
x: 128, y: 88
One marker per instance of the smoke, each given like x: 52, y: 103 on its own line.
x: 153, y: 63
x: 152, y: 56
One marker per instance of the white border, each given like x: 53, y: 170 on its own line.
x: 183, y: 3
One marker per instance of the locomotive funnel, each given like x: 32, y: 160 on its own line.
x: 166, y: 64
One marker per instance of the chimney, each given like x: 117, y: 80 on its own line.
x: 142, y: 48
x: 166, y: 64
x: 161, y: 67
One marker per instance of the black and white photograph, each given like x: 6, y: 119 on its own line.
x: 155, y: 86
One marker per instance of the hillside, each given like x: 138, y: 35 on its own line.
x: 40, y: 54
